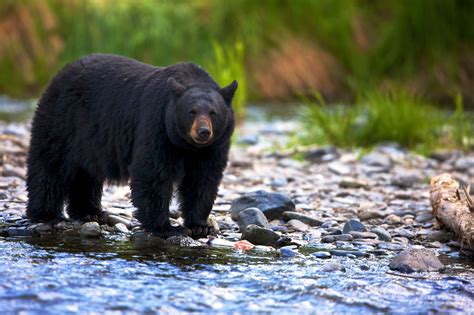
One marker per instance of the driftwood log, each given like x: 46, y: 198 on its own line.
x: 452, y: 206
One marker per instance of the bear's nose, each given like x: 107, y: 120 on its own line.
x: 204, y: 132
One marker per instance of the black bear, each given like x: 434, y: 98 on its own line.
x: 109, y: 118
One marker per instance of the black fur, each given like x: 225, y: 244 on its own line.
x: 107, y: 117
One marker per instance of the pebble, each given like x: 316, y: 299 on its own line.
x: 353, y: 225
x: 112, y: 220
x: 250, y: 216
x: 121, y: 228
x: 382, y: 233
x: 339, y: 168
x: 424, y: 217
x: 349, y: 253
x: 416, y: 260
x: 288, y: 215
x: 288, y: 251
x: 260, y: 236
x: 219, y: 242
x: 322, y: 255
x: 439, y: 236
x: 349, y: 182
x: 271, y: 204
x: 335, y: 238
x: 366, y: 215
x: 297, y: 225
x: 391, y: 246
x: 377, y: 159
x: 332, y: 267
x: 362, y: 235
x: 90, y: 229
x: 393, y: 219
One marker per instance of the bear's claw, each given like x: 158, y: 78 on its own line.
x: 199, y: 231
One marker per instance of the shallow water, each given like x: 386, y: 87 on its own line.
x: 52, y: 275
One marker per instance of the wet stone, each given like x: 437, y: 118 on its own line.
x: 271, y: 204
x: 90, y: 229
x: 288, y: 215
x: 183, y: 241
x: 3, y: 196
x: 260, y: 236
x: 341, y: 252
x: 250, y: 216
x: 322, y: 255
x: 288, y: 251
x: 391, y: 246
x: 353, y: 225
x: 19, y: 231
x: 416, y: 260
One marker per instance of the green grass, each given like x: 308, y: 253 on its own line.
x: 386, y: 117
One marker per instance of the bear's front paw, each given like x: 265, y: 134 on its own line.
x: 200, y: 231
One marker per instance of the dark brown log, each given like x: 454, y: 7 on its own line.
x: 451, y: 206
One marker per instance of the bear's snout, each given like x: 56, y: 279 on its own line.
x: 201, y: 130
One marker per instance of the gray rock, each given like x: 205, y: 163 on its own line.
x: 260, y: 236
x: 19, y: 231
x: 339, y: 168
x: 183, y: 241
x: 341, y: 252
x: 369, y: 215
x: 322, y: 255
x: 406, y: 179
x: 121, y: 228
x: 349, y: 182
x: 416, y: 260
x: 271, y: 204
x: 464, y: 163
x: 90, y: 229
x: 382, y: 233
x: 328, y: 224
x: 250, y: 216
x: 439, y: 236
x: 249, y: 139
x: 335, y: 238
x: 288, y: 251
x: 362, y: 235
x: 297, y: 225
x: 404, y: 233
x: 424, y: 216
x: 391, y: 246
x: 112, y: 220
x: 377, y: 159
x: 353, y: 225
x: 3, y: 196
x: 288, y: 215
x: 332, y: 267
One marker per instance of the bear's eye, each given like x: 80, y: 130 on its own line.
x: 192, y: 112
x: 212, y: 113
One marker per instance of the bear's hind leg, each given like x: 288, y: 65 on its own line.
x: 45, y: 194
x: 84, y: 195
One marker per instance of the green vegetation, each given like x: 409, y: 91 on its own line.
x: 387, y: 117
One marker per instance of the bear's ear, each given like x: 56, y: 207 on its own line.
x: 228, y: 91
x: 176, y: 87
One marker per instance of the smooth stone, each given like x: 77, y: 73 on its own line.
x: 19, y: 231
x: 289, y: 215
x: 391, y: 246
x: 279, y: 182
x: 349, y: 182
x: 328, y: 224
x: 322, y: 255
x: 90, y: 229
x: 353, y: 225
x: 333, y: 231
x: 366, y: 215
x: 219, y: 242
x: 439, y: 236
x: 406, y: 179
x: 258, y: 235
x: 112, y: 220
x: 335, y: 238
x: 393, y: 219
x: 3, y: 196
x: 382, y: 233
x: 248, y: 139
x: 332, y: 267
x: 121, y: 228
x: 261, y: 248
x: 424, y: 217
x: 341, y: 252
x: 297, y: 225
x: 404, y: 233
x: 362, y: 235
x: 183, y: 241
x: 377, y: 159
x: 339, y: 168
x: 271, y: 204
x: 251, y: 216
x: 416, y: 260
x: 288, y: 251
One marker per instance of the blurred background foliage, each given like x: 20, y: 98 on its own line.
x: 349, y: 51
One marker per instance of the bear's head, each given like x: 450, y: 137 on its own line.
x: 201, y: 114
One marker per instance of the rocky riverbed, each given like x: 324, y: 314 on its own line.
x: 320, y: 202
x: 320, y: 228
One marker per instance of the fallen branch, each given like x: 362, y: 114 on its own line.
x: 452, y: 207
